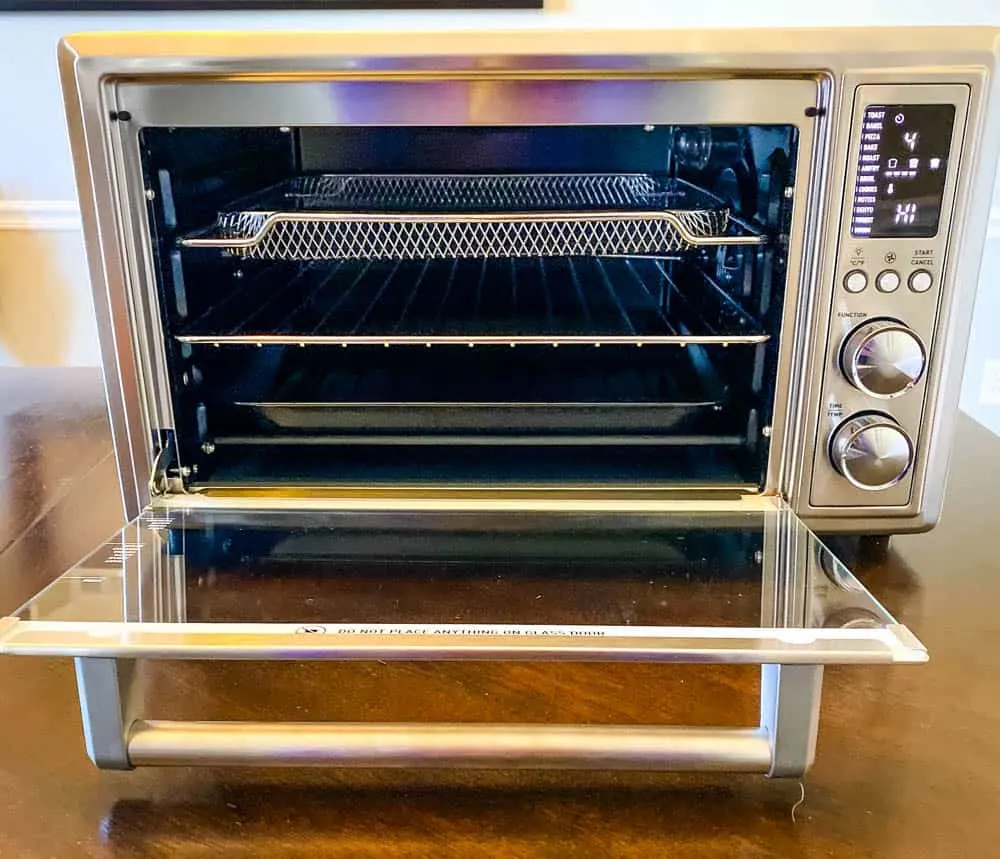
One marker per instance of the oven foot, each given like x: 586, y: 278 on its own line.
x: 873, y: 547
x: 855, y: 551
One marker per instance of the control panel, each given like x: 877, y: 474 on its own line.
x: 891, y: 272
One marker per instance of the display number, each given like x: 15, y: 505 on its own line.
x: 906, y: 213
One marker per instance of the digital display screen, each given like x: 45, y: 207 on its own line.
x: 902, y: 168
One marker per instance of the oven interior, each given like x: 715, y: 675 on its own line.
x: 530, y: 305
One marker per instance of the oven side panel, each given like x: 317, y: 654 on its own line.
x: 94, y: 165
x: 969, y: 228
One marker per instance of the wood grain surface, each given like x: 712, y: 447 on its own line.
x: 908, y: 757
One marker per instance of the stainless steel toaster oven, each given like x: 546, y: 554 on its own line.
x: 605, y: 317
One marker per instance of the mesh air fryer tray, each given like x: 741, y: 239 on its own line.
x: 466, y: 216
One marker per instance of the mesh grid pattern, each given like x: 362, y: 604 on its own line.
x: 464, y: 216
x: 485, y: 238
x: 465, y: 192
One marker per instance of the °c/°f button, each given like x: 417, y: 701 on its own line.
x: 855, y: 281
x: 920, y: 281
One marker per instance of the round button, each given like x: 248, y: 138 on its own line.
x: 883, y: 358
x: 887, y: 281
x: 871, y: 451
x: 855, y: 281
x: 921, y: 280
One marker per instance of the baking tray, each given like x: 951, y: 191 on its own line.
x: 445, y: 418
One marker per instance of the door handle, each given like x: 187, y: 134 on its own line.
x: 782, y: 745
x: 464, y: 746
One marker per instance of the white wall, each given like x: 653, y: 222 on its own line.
x: 42, y: 277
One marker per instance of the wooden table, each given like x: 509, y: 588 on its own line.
x: 908, y: 764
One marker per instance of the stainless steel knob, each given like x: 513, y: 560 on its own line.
x: 883, y: 358
x: 872, y: 451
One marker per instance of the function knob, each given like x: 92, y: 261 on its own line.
x: 883, y: 358
x: 872, y: 451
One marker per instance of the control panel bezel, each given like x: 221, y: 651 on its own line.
x: 917, y: 310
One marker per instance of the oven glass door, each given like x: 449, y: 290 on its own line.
x: 741, y: 582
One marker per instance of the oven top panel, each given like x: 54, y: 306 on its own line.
x: 716, y: 585
x: 802, y: 50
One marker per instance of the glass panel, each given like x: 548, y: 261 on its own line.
x: 714, y: 585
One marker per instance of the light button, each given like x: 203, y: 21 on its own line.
x: 887, y: 281
x: 855, y: 281
x: 921, y: 280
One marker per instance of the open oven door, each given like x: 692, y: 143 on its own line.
x: 599, y: 581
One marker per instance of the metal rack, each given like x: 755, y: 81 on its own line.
x: 583, y: 300
x: 530, y: 395
x: 468, y: 216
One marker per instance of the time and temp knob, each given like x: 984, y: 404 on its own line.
x: 872, y: 451
x: 883, y: 358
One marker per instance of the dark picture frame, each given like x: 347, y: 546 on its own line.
x: 243, y: 5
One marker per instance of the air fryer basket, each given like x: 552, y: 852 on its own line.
x: 466, y: 216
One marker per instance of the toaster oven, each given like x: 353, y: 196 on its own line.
x: 537, y: 345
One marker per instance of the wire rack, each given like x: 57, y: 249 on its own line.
x: 442, y: 217
x: 501, y: 302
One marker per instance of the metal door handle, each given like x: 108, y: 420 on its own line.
x: 466, y: 746
x: 782, y: 745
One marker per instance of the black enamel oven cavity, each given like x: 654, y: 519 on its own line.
x: 538, y: 336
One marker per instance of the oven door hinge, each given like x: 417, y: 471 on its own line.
x: 165, y: 471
